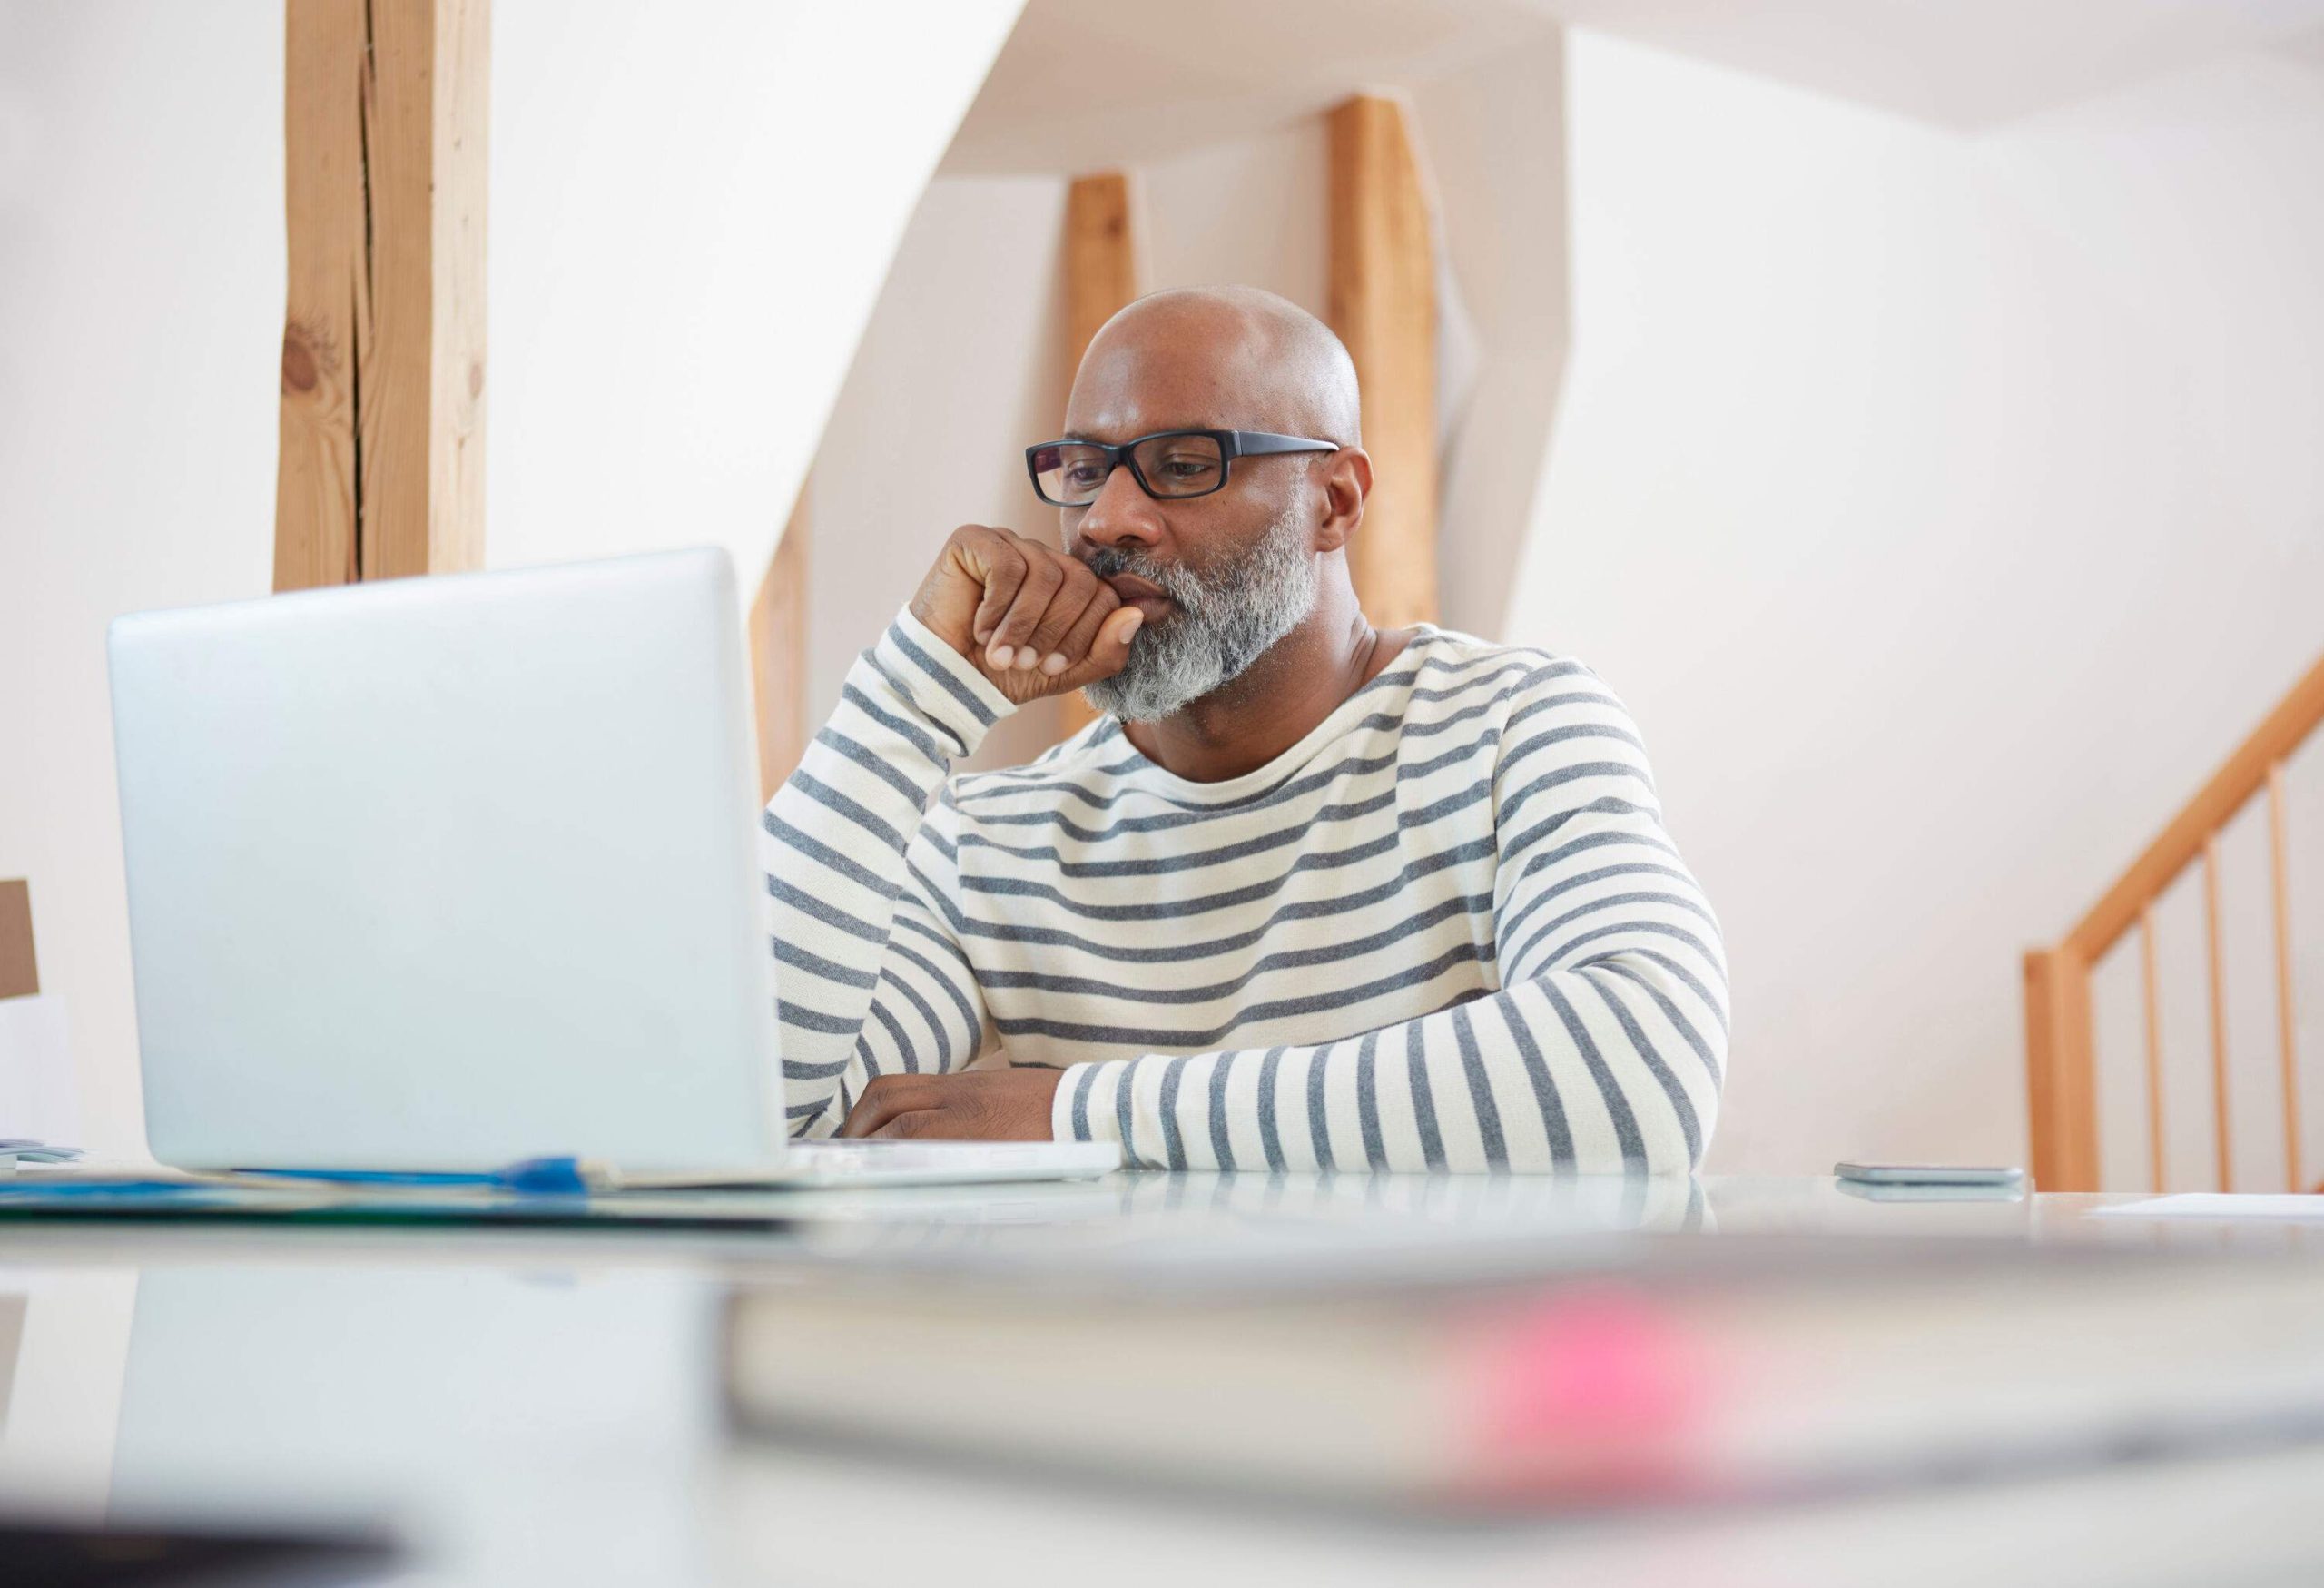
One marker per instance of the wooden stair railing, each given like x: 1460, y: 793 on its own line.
x: 2061, y: 1068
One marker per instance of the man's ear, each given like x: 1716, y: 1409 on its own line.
x: 1347, y: 480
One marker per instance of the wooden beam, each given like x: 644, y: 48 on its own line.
x: 19, y: 967
x: 1383, y: 306
x: 1101, y: 265
x: 381, y: 466
x: 779, y: 655
x: 1102, y: 275
x: 328, y: 319
x: 2061, y: 1072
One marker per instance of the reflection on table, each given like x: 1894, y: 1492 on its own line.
x: 536, y: 1408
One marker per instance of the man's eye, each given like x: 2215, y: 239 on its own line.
x: 1187, y: 468
x: 1085, y: 474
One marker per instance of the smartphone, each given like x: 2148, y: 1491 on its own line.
x: 1928, y: 1174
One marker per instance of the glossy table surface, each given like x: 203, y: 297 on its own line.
x: 519, y: 1407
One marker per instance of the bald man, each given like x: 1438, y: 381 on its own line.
x: 1308, y: 894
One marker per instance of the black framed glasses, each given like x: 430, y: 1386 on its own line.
x: 1168, y: 465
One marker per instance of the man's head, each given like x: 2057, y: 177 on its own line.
x: 1221, y: 576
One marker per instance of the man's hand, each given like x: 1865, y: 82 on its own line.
x: 969, y: 1105
x: 1035, y: 620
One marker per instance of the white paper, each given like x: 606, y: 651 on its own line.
x: 38, y: 1099
x: 2281, y: 1205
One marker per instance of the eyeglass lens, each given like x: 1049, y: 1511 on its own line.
x: 1073, y: 473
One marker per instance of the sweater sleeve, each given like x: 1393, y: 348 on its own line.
x: 1604, y: 1048
x: 868, y: 979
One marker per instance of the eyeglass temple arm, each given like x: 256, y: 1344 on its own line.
x: 1258, y: 443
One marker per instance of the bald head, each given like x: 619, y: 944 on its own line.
x: 1228, y: 357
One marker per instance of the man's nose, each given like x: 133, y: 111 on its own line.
x: 1121, y: 515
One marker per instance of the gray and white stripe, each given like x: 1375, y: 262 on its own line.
x: 1446, y: 930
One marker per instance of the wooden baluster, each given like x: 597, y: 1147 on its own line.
x: 2219, y: 1010
x: 2287, y: 1032
x: 2153, y: 1046
x: 2061, y: 1074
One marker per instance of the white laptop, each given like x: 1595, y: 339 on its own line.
x: 444, y: 874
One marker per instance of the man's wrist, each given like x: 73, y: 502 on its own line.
x: 935, y: 684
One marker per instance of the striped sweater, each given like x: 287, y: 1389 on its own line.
x: 1445, y: 930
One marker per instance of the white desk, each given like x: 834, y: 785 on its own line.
x: 528, y: 1408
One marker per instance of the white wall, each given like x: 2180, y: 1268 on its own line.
x: 1946, y: 508
x: 141, y: 324
x: 692, y: 206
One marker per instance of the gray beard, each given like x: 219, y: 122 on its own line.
x: 1224, y: 622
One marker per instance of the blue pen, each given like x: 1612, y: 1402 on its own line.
x: 536, y: 1176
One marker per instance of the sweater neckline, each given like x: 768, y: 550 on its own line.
x: 1139, y: 772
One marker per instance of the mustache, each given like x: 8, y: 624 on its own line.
x: 1111, y: 562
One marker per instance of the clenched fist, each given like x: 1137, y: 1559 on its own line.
x: 1033, y: 618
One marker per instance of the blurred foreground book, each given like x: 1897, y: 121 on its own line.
x: 1662, y: 1370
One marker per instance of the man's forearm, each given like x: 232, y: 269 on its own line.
x: 834, y: 843
x: 1606, y: 1066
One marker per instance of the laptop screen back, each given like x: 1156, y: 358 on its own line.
x: 438, y: 873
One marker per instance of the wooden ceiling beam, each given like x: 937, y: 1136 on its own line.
x: 1102, y: 276
x: 778, y: 633
x: 1383, y: 306
x: 381, y: 465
